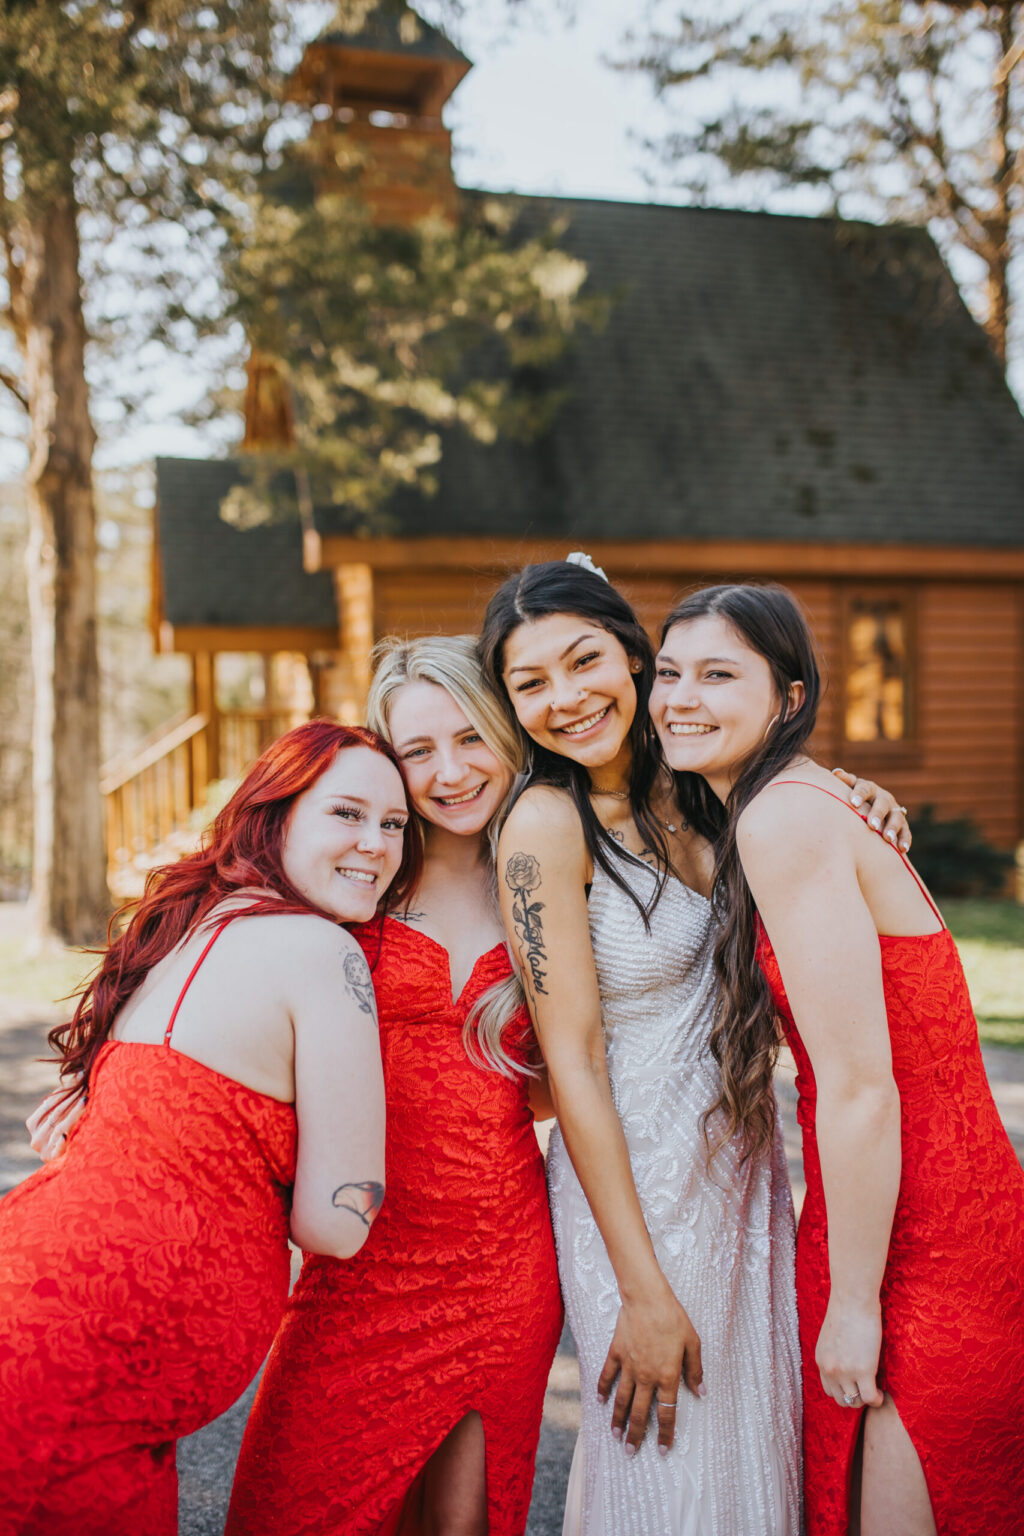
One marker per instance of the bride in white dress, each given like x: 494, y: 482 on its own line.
x: 676, y: 1264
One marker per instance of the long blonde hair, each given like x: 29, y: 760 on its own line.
x: 450, y: 662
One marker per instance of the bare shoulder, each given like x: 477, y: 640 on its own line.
x: 297, y: 939
x: 789, y: 825
x: 544, y: 811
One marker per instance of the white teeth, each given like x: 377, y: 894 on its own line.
x: 470, y: 794
x: 681, y: 728
x: 584, y: 725
x: 359, y: 874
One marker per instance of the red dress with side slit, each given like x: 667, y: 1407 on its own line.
x: 142, y: 1276
x: 953, y: 1292
x: 451, y: 1305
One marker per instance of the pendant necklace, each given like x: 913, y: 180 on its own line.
x: 623, y: 794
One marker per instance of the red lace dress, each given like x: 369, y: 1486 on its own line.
x: 953, y: 1292
x: 451, y: 1305
x: 142, y: 1275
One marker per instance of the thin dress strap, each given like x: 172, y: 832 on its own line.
x: 803, y: 783
x: 211, y: 941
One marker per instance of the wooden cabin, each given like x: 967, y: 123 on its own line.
x: 802, y: 400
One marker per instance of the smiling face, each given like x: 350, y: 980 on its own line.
x: 571, y: 686
x: 343, y: 842
x: 454, y: 779
x: 713, y: 700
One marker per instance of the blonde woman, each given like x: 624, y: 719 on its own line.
x: 405, y: 1389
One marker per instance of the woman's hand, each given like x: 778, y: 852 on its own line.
x: 847, y: 1353
x: 878, y: 807
x: 48, y: 1126
x: 654, y: 1344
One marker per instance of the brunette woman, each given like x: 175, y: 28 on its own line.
x: 910, y: 1263
x: 228, y: 1045
x: 405, y: 1389
x: 673, y: 1268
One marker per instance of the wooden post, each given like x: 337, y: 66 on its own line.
x: 204, y: 702
x: 354, y: 589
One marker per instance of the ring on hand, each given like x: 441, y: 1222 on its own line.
x: 850, y: 1398
x: 673, y: 1405
x: 903, y: 809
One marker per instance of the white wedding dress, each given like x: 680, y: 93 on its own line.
x: 724, y: 1238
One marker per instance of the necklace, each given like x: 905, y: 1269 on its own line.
x: 623, y: 794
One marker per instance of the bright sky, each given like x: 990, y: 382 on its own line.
x: 540, y: 112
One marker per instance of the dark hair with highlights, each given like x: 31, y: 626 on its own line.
x: 556, y: 587
x: 240, y: 851
x: 745, y: 1037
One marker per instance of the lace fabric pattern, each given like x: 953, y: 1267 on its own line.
x: 953, y: 1292
x: 142, y: 1276
x: 724, y: 1237
x: 451, y: 1305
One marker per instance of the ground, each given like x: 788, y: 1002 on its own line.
x: 990, y: 935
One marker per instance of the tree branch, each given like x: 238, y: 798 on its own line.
x: 11, y: 383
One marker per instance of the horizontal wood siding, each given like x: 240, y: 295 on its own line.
x: 969, y: 757
x: 969, y: 708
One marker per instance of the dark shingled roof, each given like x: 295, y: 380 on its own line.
x: 392, y: 27
x: 215, y: 574
x: 760, y: 377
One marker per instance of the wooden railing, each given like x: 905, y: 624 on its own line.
x: 150, y: 796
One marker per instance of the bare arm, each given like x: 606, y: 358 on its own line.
x: 800, y: 861
x: 339, y: 1095
x: 541, y: 876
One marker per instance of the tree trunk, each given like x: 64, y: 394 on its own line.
x: 998, y: 224
x: 69, y: 885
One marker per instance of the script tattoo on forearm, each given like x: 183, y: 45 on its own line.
x: 360, y: 983
x: 522, y: 876
x: 363, y: 1200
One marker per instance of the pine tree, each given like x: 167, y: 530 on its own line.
x: 901, y: 111
x: 141, y: 117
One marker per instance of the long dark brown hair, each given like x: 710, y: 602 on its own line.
x: 559, y: 586
x: 240, y: 851
x: 745, y: 1038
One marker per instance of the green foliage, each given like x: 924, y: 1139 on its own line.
x: 953, y: 858
x: 990, y: 938
x: 387, y: 337
x: 892, y: 109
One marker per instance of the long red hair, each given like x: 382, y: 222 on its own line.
x: 241, y: 850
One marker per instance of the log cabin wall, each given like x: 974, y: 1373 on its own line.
x: 966, y: 754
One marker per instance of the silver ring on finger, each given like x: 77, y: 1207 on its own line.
x: 669, y: 1407
x: 851, y: 1399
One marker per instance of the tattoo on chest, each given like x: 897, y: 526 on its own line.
x: 409, y: 917
x: 360, y: 983
x: 647, y: 854
x: 363, y: 1200
x: 522, y: 876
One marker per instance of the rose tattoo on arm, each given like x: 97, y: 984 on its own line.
x: 360, y: 983
x: 522, y: 876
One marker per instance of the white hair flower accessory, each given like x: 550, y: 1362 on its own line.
x: 585, y: 563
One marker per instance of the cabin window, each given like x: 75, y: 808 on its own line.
x: 877, y: 643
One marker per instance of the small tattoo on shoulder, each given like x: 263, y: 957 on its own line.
x: 522, y: 876
x: 409, y: 917
x: 360, y: 983
x: 363, y: 1200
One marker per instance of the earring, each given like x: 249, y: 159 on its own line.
x: 635, y: 666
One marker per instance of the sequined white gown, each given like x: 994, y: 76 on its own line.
x: 724, y: 1239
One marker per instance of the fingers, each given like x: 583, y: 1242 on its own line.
x: 666, y: 1411
x: 849, y: 779
x: 693, y: 1369
x: 855, y: 1395
x: 623, y: 1404
x: 606, y: 1380
x: 640, y: 1411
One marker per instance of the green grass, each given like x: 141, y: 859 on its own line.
x: 989, y: 934
x: 990, y: 937
x: 43, y: 976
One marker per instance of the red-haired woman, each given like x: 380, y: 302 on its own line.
x: 143, y: 1272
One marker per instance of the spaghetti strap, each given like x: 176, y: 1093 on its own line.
x: 211, y: 941
x: 804, y: 784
